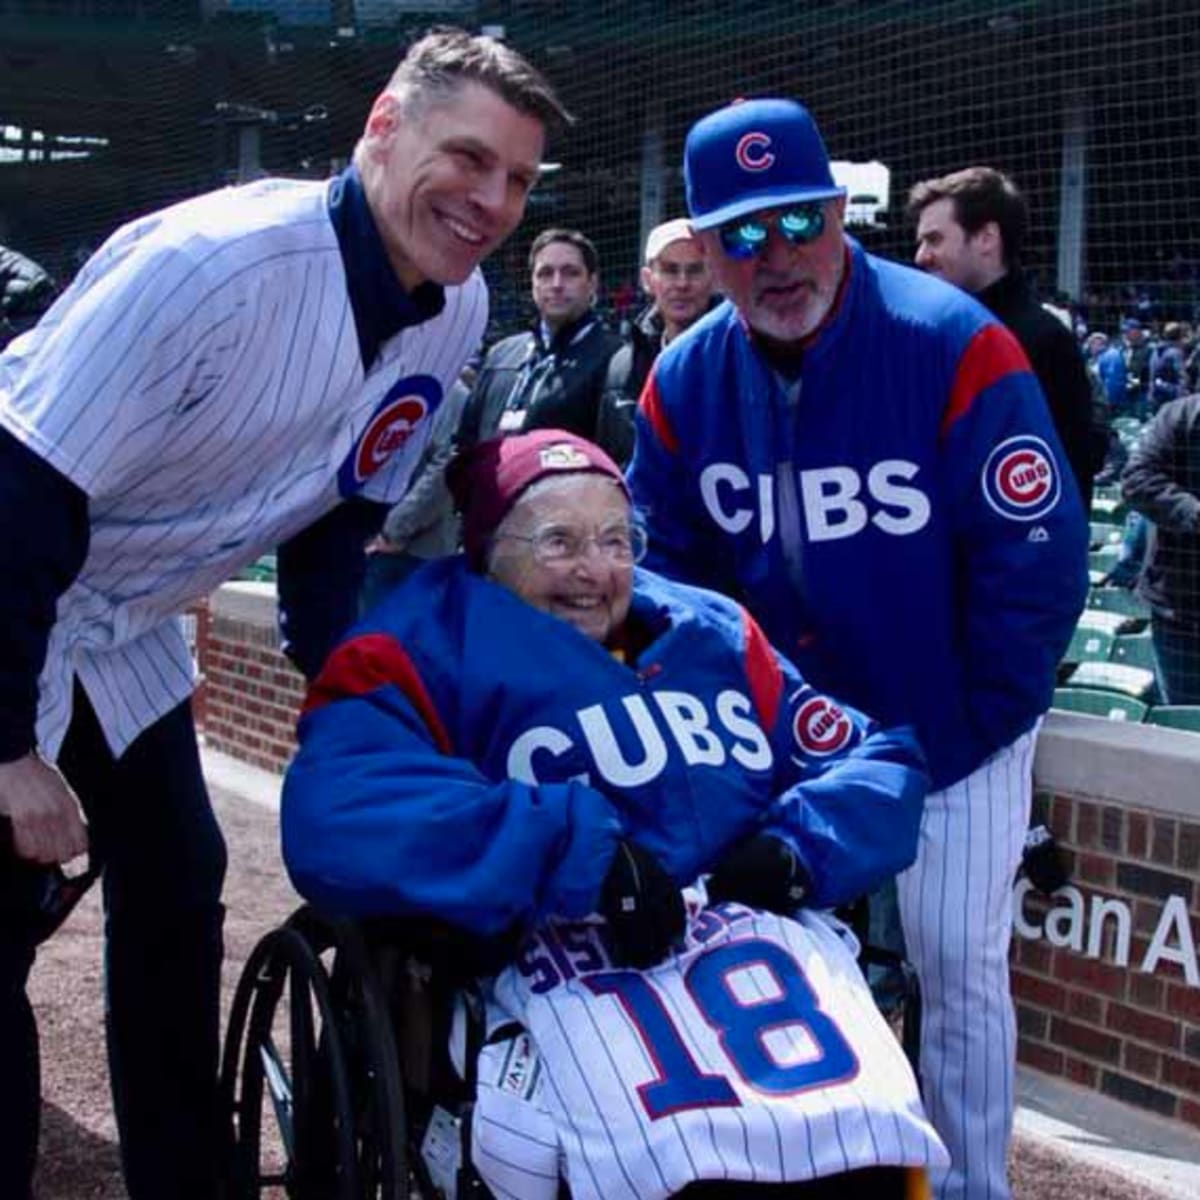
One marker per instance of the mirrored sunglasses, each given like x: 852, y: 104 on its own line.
x: 747, y: 237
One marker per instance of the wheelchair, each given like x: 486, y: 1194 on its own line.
x: 336, y: 1074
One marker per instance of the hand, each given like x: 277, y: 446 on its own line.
x: 761, y: 872
x: 643, y: 907
x: 47, y: 826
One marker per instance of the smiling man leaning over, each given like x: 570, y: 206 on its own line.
x: 251, y: 366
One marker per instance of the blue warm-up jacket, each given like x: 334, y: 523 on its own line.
x: 467, y: 756
x: 899, y: 516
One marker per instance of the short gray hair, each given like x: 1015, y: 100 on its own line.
x: 444, y: 59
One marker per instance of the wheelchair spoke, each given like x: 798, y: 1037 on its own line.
x: 280, y: 1089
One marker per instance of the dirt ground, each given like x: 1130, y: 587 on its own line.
x: 79, y: 1158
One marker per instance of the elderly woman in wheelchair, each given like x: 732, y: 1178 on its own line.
x: 618, y: 781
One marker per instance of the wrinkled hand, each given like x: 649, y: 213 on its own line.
x: 761, y: 872
x: 643, y: 907
x: 47, y: 826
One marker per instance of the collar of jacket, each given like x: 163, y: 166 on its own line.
x: 1000, y: 294
x: 378, y: 300
x: 567, y: 335
x: 649, y: 322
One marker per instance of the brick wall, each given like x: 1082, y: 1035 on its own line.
x: 1105, y: 974
x: 251, y: 694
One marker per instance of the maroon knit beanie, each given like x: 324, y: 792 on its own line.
x: 490, y: 477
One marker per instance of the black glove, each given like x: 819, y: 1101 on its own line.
x: 762, y: 872
x: 643, y: 907
x: 1043, y: 861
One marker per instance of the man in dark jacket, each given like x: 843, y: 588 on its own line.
x: 676, y: 277
x: 552, y: 376
x: 26, y: 291
x: 970, y: 228
x: 1162, y: 482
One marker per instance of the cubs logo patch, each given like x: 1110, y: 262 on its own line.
x: 820, y: 727
x: 1020, y: 479
x: 753, y: 152
x: 408, y: 402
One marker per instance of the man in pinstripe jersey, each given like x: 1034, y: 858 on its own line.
x: 252, y: 367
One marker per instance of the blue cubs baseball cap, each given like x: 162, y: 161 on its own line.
x: 751, y: 155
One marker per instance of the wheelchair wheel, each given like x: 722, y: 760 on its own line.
x: 309, y: 1071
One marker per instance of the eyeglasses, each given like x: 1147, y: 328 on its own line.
x: 554, y: 545
x: 674, y: 271
x: 746, y: 238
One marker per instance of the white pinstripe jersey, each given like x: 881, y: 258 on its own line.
x: 756, y: 1054
x: 201, y: 381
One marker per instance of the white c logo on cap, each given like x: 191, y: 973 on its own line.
x: 753, y: 152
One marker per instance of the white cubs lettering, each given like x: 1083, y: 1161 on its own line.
x: 688, y: 722
x: 912, y: 501
x: 832, y: 499
x: 731, y: 520
x: 607, y: 754
x: 830, y: 508
x: 685, y: 717
x: 736, y: 713
x: 732, y: 516
x: 519, y: 765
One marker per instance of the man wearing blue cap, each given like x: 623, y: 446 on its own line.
x: 861, y: 453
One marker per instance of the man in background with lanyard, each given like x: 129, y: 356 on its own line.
x: 552, y: 376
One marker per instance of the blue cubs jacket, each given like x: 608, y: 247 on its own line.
x: 466, y: 756
x: 898, y: 518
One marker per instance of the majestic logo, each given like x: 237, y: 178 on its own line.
x: 562, y: 456
x: 753, y: 152
x: 1020, y: 480
x: 820, y: 727
x: 408, y: 402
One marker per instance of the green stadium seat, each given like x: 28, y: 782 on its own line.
x: 1105, y: 558
x: 1118, y: 600
x: 261, y: 570
x: 1105, y: 509
x: 1111, y: 705
x: 1113, y: 623
x: 1089, y: 645
x: 1103, y: 533
x: 1115, y: 677
x: 1127, y: 425
x: 1134, y: 650
x: 1175, y: 716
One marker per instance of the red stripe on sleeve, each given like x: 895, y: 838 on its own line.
x: 362, y: 665
x: 652, y: 409
x: 762, y: 672
x: 990, y: 355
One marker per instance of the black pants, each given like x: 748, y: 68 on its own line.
x: 152, y: 823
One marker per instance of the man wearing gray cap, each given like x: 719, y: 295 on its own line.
x: 676, y: 277
x: 862, y: 454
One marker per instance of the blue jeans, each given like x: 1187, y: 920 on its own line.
x: 1177, y: 652
x: 152, y: 825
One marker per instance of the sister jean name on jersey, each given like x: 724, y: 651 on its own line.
x: 564, y: 950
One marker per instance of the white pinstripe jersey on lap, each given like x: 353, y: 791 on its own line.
x: 201, y: 382
x: 756, y: 1054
